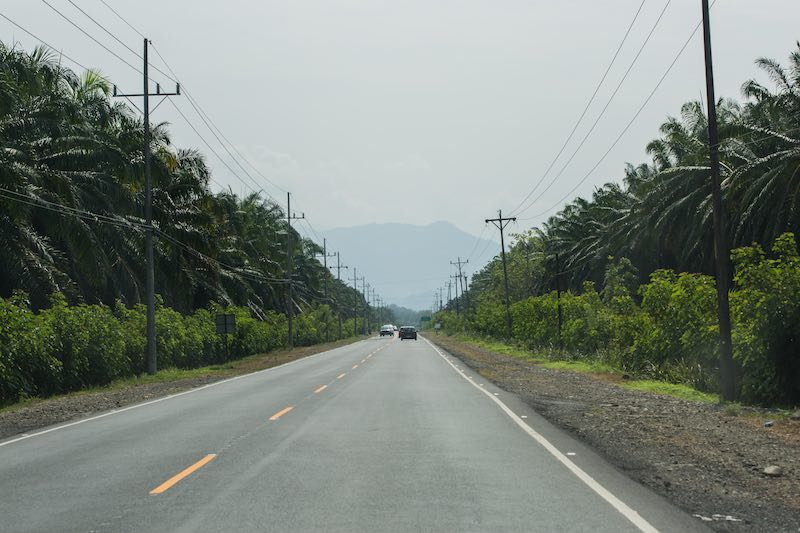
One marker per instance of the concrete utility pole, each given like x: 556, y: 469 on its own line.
x: 339, y: 267
x: 721, y: 248
x: 152, y: 365
x: 290, y: 297
x: 501, y: 223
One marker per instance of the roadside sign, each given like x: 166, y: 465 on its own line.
x: 424, y: 319
x: 438, y: 325
x: 226, y: 323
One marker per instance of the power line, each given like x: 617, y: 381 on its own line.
x: 189, y: 123
x: 602, y: 112
x: 625, y: 129
x: 125, y: 223
x: 204, y: 116
x: 51, y: 47
x: 131, y: 50
x: 585, y: 109
x: 107, y: 49
x: 123, y: 19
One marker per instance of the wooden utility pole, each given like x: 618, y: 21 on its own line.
x: 501, y: 223
x: 721, y: 248
x: 339, y: 267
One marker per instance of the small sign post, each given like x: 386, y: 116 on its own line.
x: 226, y: 323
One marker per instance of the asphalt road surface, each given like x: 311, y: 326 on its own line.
x: 381, y: 435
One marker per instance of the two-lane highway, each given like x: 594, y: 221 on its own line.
x: 382, y: 434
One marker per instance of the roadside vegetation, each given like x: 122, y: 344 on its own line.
x: 634, y: 263
x: 72, y: 267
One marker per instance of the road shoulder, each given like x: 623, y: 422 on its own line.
x: 693, y: 453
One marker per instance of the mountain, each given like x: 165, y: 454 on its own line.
x: 407, y: 263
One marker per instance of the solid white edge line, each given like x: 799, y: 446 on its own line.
x: 169, y: 397
x: 634, y: 517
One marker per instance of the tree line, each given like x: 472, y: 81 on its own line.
x: 655, y: 225
x: 72, y: 226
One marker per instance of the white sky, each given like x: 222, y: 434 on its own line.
x: 418, y: 110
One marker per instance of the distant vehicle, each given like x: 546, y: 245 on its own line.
x: 395, y: 328
x: 408, y: 332
x: 388, y: 329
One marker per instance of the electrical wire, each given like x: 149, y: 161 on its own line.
x: 602, y: 112
x: 204, y: 116
x: 65, y: 209
x: 625, y: 129
x: 90, y: 36
x: 51, y: 47
x: 122, y: 19
x: 585, y: 109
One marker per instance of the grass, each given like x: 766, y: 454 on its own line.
x: 671, y: 389
x: 590, y: 367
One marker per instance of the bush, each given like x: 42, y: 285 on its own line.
x: 65, y: 348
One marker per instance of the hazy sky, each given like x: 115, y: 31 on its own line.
x: 417, y: 111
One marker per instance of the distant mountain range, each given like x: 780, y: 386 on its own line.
x: 407, y: 263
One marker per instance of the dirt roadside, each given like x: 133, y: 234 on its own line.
x: 706, y: 461
x: 24, y: 418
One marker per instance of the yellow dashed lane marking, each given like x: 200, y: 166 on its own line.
x: 355, y: 366
x: 340, y: 376
x: 281, y: 412
x: 320, y: 389
x: 185, y: 473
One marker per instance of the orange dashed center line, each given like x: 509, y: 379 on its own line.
x: 185, y: 473
x: 363, y: 360
x: 320, y: 389
x: 355, y: 366
x: 281, y: 412
x: 340, y: 376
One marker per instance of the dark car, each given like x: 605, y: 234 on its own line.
x: 408, y: 332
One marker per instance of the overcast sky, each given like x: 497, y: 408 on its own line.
x: 417, y: 111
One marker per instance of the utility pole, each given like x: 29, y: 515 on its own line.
x: 558, y: 299
x: 466, y: 295
x: 365, y: 292
x: 150, y: 282
x: 459, y: 263
x: 721, y: 250
x: 339, y: 267
x: 325, y: 256
x: 457, y: 282
x: 355, y: 301
x: 501, y: 223
x: 290, y: 299
x: 449, y: 292
x: 441, y: 291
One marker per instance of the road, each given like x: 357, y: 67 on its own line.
x: 381, y: 434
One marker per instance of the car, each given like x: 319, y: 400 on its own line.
x: 387, y: 330
x: 408, y: 332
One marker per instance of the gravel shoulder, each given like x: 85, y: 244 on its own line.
x: 26, y: 417
x: 704, y: 459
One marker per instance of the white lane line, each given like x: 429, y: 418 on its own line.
x: 634, y: 517
x: 157, y: 400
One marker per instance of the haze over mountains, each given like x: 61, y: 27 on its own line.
x: 406, y: 263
